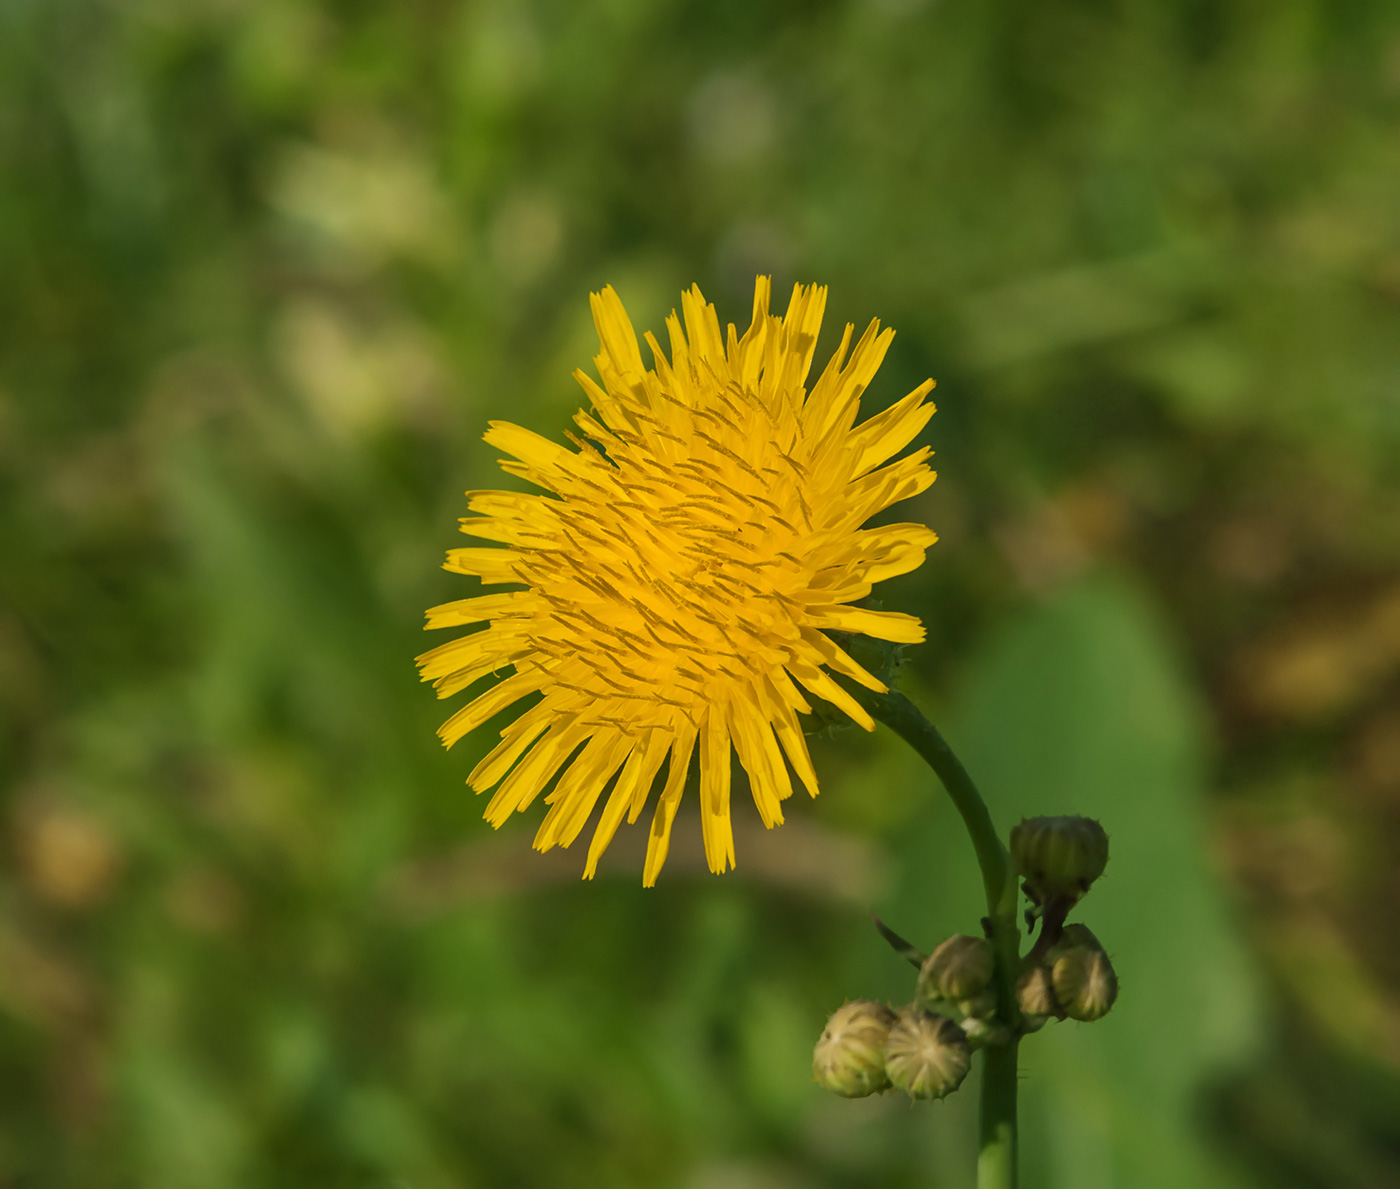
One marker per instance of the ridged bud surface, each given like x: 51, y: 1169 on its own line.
x: 960, y: 968
x: 1085, y: 983
x: 849, y: 1059
x: 979, y: 1007
x: 1035, y: 995
x: 1059, y: 857
x: 926, y: 1056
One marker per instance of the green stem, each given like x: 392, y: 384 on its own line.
x: 996, y: 1161
x: 997, y: 1146
x: 906, y: 720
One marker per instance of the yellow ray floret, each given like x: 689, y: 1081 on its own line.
x: 681, y: 572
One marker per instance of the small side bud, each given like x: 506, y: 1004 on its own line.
x: 1084, y: 982
x: 960, y: 968
x: 979, y: 1007
x: 1059, y: 857
x: 849, y: 1059
x: 926, y: 1056
x: 1035, y: 995
x: 1074, y: 935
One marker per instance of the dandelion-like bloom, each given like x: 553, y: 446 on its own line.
x: 682, y: 572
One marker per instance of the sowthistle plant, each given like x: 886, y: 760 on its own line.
x: 694, y: 570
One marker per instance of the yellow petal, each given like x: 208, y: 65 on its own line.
x: 883, y: 625
x: 821, y: 684
x: 490, y: 565
x: 631, y: 789
x: 893, y: 549
x: 887, y: 433
x: 529, y: 447
x: 758, y: 752
x: 659, y: 844
x: 514, y: 740
x: 480, y: 609
x: 523, y: 785
x: 615, y: 332
x: 714, y: 792
x: 580, y: 787
x: 492, y: 702
x: 839, y: 660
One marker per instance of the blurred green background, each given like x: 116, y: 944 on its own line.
x: 267, y: 267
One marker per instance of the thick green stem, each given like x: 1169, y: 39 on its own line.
x: 997, y: 1150
x: 996, y: 1161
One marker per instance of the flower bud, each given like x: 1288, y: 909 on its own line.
x: 1059, y: 857
x: 1035, y: 995
x: 926, y: 1055
x: 979, y: 1007
x: 1076, y: 935
x: 960, y: 968
x: 1084, y: 981
x: 849, y: 1059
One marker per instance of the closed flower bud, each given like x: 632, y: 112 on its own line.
x: 849, y: 1059
x: 1035, y: 995
x: 1077, y: 935
x: 960, y: 968
x: 1059, y: 857
x: 926, y: 1056
x: 1084, y: 981
x: 979, y: 1007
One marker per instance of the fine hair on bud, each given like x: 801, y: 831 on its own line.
x: 1085, y: 983
x: 1059, y: 857
x: 926, y: 1055
x: 960, y: 968
x: 849, y: 1059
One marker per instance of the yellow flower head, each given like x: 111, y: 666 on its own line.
x: 681, y: 572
